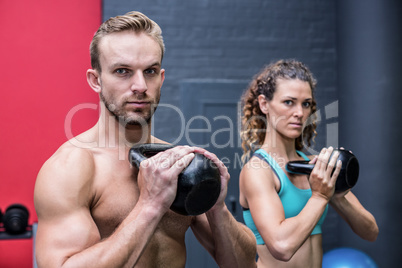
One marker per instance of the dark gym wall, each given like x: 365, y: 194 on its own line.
x: 370, y: 93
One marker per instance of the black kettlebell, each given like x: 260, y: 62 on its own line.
x: 15, y: 219
x: 347, y: 177
x: 198, y: 185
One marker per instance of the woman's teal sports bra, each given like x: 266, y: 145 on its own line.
x: 293, y: 199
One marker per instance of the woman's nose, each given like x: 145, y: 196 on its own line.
x: 298, y: 112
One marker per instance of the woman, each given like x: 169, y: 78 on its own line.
x: 286, y: 211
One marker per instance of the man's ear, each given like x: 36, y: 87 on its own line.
x: 163, y: 75
x: 262, y: 101
x: 93, y: 79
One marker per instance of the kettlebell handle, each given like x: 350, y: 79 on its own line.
x: 300, y: 167
x: 141, y: 152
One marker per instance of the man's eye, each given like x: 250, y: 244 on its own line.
x: 150, y: 71
x: 121, y: 71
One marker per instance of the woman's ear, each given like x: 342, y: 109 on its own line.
x: 262, y: 101
x: 93, y: 79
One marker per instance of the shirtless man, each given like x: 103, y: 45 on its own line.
x: 95, y: 209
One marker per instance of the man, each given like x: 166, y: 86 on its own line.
x: 95, y: 209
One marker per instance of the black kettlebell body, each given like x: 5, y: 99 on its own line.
x: 198, y: 185
x: 347, y: 177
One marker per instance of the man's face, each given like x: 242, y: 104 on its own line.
x: 131, y: 76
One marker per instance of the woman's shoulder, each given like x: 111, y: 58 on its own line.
x: 256, y: 169
x: 257, y: 180
x: 255, y: 163
x: 308, y: 155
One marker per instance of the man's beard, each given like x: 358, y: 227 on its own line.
x: 135, y: 120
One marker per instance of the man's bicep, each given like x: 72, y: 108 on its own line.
x: 62, y: 236
x: 65, y: 224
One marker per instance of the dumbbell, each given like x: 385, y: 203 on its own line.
x: 198, y: 185
x: 15, y: 219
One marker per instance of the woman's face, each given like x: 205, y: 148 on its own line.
x: 289, y: 108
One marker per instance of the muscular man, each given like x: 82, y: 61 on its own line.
x: 95, y: 209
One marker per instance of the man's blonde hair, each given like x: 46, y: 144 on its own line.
x: 131, y: 21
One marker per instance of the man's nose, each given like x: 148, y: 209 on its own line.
x: 138, y: 83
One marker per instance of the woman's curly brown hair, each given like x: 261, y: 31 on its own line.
x: 254, y: 122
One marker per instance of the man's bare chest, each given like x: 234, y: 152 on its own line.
x: 116, y: 194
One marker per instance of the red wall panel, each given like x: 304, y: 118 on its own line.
x: 44, y: 53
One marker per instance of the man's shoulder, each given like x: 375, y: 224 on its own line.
x: 68, y: 175
x: 68, y: 153
x: 69, y: 159
x: 157, y: 140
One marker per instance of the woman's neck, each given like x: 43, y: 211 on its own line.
x: 285, y: 148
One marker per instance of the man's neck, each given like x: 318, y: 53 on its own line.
x: 117, y: 133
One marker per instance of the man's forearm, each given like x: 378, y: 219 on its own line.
x: 124, y: 247
x: 235, y: 245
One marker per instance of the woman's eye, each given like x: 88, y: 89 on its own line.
x: 288, y: 102
x: 307, y: 104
